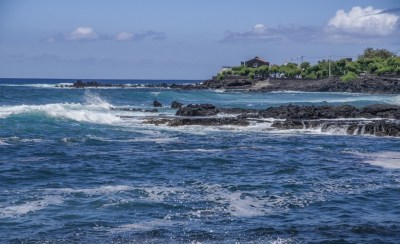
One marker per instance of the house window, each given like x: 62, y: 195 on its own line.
x: 255, y: 65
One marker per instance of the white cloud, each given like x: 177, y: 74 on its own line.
x: 124, y: 36
x: 262, y: 33
x: 87, y: 33
x: 259, y: 27
x: 364, y: 22
x: 83, y: 33
x: 359, y: 25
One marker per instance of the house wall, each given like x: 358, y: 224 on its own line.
x: 259, y: 63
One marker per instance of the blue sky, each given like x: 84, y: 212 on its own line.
x: 183, y: 39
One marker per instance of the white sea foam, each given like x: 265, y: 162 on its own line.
x: 91, y: 191
x: 280, y: 240
x: 94, y: 110
x: 237, y: 203
x: 2, y: 143
x: 94, y: 100
x: 16, y: 139
x: 160, y: 193
x: 44, y: 85
x: 241, y: 205
x: 31, y: 159
x: 29, y: 206
x: 196, y: 150
x: 155, y: 93
x: 142, y: 226
x: 387, y: 159
x: 159, y: 140
x: 73, y: 111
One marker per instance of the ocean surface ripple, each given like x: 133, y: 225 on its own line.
x: 74, y: 170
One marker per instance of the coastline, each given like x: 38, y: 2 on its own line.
x: 376, y: 119
x: 365, y: 84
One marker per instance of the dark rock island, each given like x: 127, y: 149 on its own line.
x: 377, y: 119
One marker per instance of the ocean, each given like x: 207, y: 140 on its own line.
x: 73, y: 170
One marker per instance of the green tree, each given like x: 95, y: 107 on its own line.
x: 310, y: 76
x: 263, y: 71
x: 338, y: 68
x: 352, y: 67
x: 350, y: 76
x: 376, y: 53
x: 305, y: 65
x: 251, y: 75
x: 274, y: 70
x: 393, y: 63
x: 220, y: 77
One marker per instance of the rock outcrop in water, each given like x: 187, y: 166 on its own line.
x: 157, y: 104
x: 377, y: 119
x: 352, y: 127
x: 210, y: 121
x: 176, y: 104
x: 331, y: 112
x: 135, y: 110
x: 198, y: 110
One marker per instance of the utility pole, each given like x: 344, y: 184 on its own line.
x: 329, y: 67
x: 329, y: 62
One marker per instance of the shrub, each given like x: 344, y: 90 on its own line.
x: 310, y: 76
x: 350, y: 76
x: 251, y: 75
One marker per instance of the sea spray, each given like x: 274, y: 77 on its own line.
x: 92, y: 99
x: 74, y: 111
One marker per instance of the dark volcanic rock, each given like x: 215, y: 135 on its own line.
x: 310, y: 112
x: 176, y: 104
x: 135, y: 110
x: 381, y: 111
x: 232, y: 83
x: 209, y: 121
x: 238, y: 111
x: 199, y: 121
x: 331, y: 112
x: 198, y: 110
x: 351, y: 127
x: 82, y: 84
x: 377, y: 119
x: 157, y: 103
x: 367, y: 84
x: 239, y: 83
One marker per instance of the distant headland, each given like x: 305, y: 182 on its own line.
x: 374, y: 71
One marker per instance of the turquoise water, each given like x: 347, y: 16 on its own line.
x: 73, y: 170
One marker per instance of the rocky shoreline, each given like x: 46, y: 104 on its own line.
x: 377, y: 119
x: 365, y: 84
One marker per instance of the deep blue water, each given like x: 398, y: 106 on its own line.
x: 71, y: 170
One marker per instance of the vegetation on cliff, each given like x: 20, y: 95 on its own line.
x: 372, y: 61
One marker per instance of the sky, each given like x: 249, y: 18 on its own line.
x: 183, y: 39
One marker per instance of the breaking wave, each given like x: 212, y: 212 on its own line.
x: 94, y: 110
x: 29, y: 206
x: 388, y: 159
